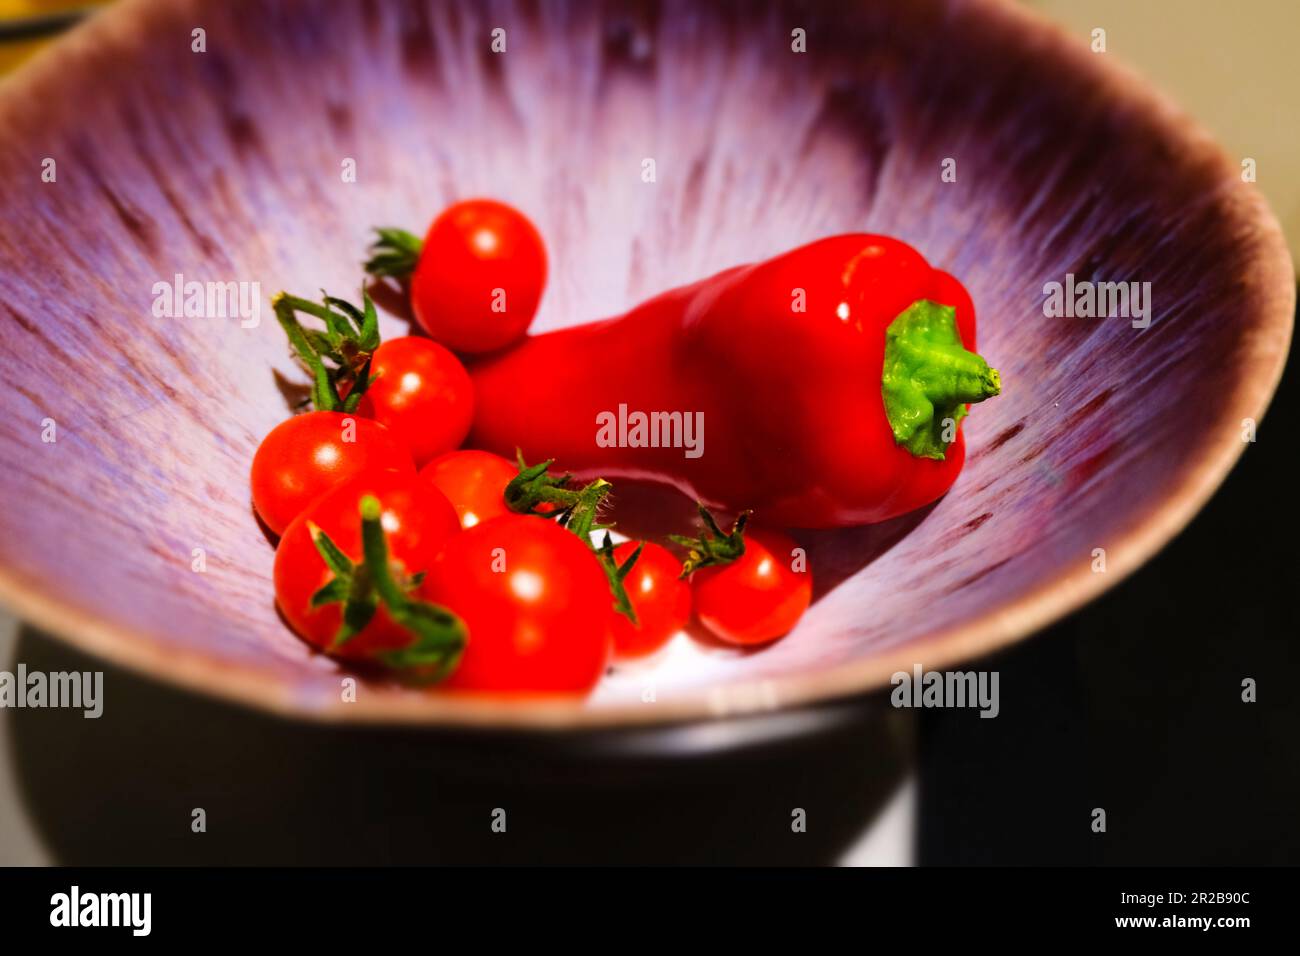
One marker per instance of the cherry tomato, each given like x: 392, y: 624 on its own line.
x: 303, y: 457
x: 534, y: 600
x: 479, y: 277
x: 417, y: 521
x: 474, y: 482
x: 422, y: 394
x: 756, y: 598
x: 662, y: 600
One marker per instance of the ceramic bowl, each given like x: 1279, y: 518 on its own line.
x: 1004, y: 150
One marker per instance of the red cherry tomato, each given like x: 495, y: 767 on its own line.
x: 662, y: 600
x: 533, y: 598
x: 756, y: 598
x: 303, y: 457
x: 479, y: 277
x: 422, y: 394
x: 417, y: 521
x: 474, y: 482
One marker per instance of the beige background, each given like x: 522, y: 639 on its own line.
x: 1233, y: 64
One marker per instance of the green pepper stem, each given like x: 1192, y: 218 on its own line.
x: 948, y: 374
x: 929, y: 378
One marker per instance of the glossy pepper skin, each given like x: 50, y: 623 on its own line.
x: 785, y: 360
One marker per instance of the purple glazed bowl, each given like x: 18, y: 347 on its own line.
x: 227, y: 166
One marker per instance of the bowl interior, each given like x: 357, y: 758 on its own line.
x: 231, y: 165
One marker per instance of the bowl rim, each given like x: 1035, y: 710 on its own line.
x: 1271, y: 278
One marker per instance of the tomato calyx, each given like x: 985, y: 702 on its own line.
x: 534, y: 486
x: 575, y: 510
x: 617, y: 573
x: 339, y: 354
x: 713, y: 546
x: 394, y: 254
x: 439, y: 635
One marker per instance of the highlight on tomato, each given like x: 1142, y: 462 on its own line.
x: 474, y: 482
x: 533, y: 599
x: 305, y: 456
x: 475, y: 280
x: 422, y: 393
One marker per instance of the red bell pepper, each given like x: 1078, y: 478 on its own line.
x: 821, y: 388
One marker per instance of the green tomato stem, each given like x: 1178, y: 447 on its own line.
x: 713, y: 547
x: 439, y: 636
x: 394, y: 254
